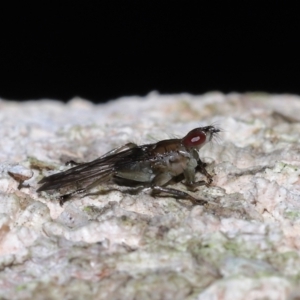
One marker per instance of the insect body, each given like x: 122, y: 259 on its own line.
x: 151, y: 166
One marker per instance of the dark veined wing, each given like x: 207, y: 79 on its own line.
x: 86, y: 175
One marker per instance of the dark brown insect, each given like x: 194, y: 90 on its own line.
x: 151, y: 166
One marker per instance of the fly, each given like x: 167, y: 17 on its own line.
x: 151, y: 166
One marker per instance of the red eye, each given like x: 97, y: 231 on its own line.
x: 194, y: 138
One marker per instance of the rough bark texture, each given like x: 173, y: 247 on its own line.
x: 243, y: 245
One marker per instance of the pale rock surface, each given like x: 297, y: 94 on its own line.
x: 245, y: 244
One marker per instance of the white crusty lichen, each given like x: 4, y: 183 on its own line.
x: 244, y: 244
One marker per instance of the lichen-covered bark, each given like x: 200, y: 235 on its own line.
x: 120, y: 245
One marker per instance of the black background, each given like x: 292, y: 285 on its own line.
x: 118, y: 48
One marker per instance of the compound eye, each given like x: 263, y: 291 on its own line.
x: 194, y: 138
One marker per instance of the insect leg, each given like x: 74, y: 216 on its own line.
x: 201, y: 168
x: 192, y: 186
x: 66, y: 197
x: 72, y: 163
x: 164, y: 178
x: 189, y: 175
x: 178, y: 194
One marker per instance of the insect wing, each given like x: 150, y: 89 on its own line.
x: 87, y: 174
